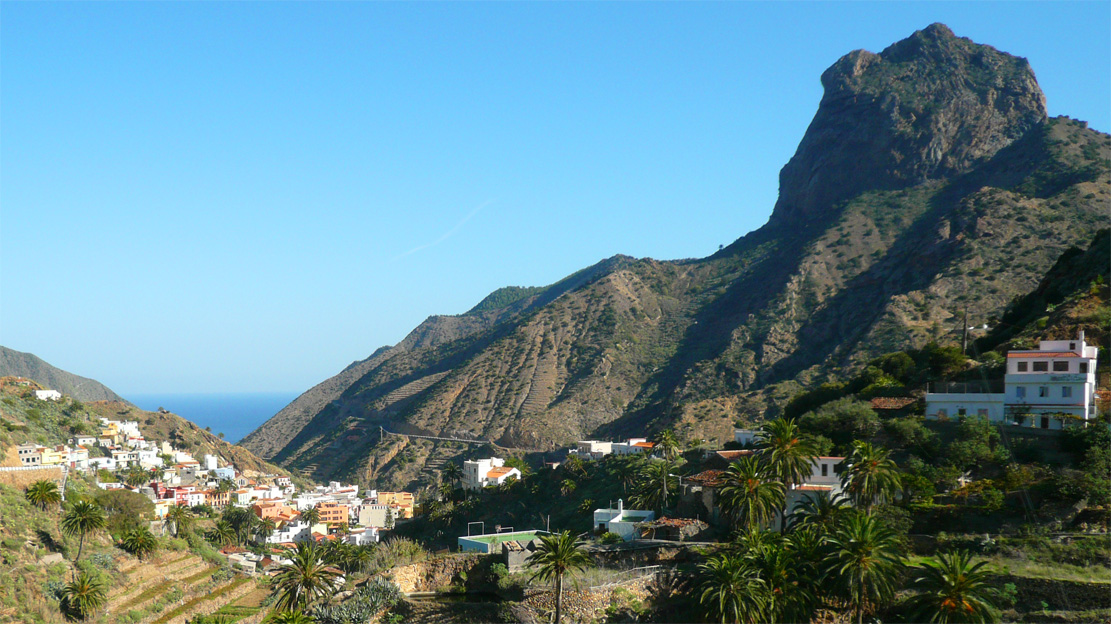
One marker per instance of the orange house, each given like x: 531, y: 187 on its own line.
x: 212, y: 498
x: 334, y: 513
x: 272, y: 510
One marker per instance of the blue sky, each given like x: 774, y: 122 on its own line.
x: 203, y: 197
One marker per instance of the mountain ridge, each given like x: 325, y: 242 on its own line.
x: 965, y: 210
x: 19, y: 364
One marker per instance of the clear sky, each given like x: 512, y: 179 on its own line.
x: 206, y: 197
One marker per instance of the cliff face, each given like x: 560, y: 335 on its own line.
x: 929, y: 182
x: 928, y: 107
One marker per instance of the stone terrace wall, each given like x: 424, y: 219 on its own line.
x: 434, y: 574
x: 1059, y: 595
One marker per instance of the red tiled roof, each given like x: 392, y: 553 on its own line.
x: 814, y: 488
x: 645, y: 444
x: 734, y: 455
x: 497, y: 472
x: 677, y: 522
x: 892, y: 403
x: 1042, y: 354
x: 709, y: 478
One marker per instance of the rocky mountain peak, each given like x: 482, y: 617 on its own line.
x: 930, y: 106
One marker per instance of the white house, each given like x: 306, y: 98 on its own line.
x: 362, y: 536
x: 481, y: 473
x: 209, y: 462
x: 592, y: 449
x: 107, y: 463
x: 48, y: 395
x: 621, y: 521
x: 633, y: 446
x: 30, y: 454
x: 291, y: 532
x: 1044, y: 388
x: 744, y: 437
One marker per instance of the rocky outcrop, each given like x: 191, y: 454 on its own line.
x: 930, y: 181
x: 928, y: 107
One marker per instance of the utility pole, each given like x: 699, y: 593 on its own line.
x: 964, y: 333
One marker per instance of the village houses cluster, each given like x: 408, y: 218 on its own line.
x: 176, y: 478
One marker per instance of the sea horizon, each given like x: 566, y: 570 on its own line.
x: 235, y: 414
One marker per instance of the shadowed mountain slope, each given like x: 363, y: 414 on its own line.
x: 929, y: 182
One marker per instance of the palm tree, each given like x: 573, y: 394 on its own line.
x: 136, y: 477
x: 304, y: 579
x: 556, y: 556
x: 869, y: 476
x: 179, y: 517
x: 789, y: 580
x: 223, y: 533
x: 567, y: 487
x: 266, y: 528
x: 863, y: 562
x: 139, y: 542
x: 83, y: 596
x: 818, y: 510
x: 656, y: 486
x: 626, y: 469
x: 311, y: 516
x: 732, y: 590
x: 452, y: 473
x: 954, y: 591
x: 81, y: 519
x: 668, y: 444
x: 748, y: 496
x: 43, y: 494
x: 788, y: 457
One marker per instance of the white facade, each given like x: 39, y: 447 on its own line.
x: 362, y: 536
x: 209, y: 462
x: 745, y: 437
x: 621, y: 521
x: 48, y: 395
x: 30, y: 455
x: 592, y: 449
x: 1044, y: 388
x: 632, y: 446
x: 476, y: 473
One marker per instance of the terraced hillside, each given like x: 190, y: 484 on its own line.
x: 930, y: 182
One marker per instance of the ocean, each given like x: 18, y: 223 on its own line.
x: 235, y: 415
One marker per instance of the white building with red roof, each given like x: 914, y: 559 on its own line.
x: 1047, y: 388
x: 481, y: 473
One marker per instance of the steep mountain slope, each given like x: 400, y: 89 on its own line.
x: 929, y: 182
x: 501, y: 305
x: 18, y: 364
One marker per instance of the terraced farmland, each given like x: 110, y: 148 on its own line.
x: 176, y: 587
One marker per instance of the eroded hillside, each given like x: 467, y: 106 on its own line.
x: 929, y: 183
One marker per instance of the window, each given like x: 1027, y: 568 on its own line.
x: 1023, y: 367
x: 1020, y: 392
x: 1072, y: 346
x: 1060, y: 367
x: 1041, y: 366
x: 1084, y: 368
x: 1043, y: 391
x: 962, y: 412
x: 1066, y: 392
x: 942, y: 412
x: 825, y: 470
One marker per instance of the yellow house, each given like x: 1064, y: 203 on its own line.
x: 54, y: 455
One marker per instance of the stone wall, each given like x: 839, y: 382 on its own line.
x: 435, y: 574
x: 588, y: 605
x: 1058, y: 595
